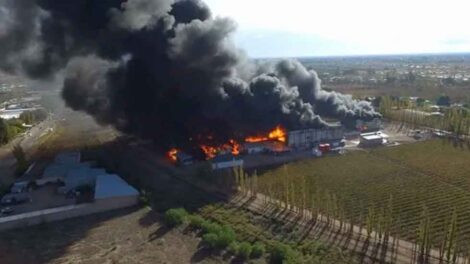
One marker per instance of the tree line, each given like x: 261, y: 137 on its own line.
x: 380, y: 223
x: 9, y: 129
x: 455, y: 120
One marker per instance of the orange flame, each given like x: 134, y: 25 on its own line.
x: 232, y: 146
x: 172, y: 154
x: 277, y: 134
x: 235, y: 147
x: 211, y: 151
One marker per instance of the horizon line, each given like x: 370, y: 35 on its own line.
x: 366, y: 55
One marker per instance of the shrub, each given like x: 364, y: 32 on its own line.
x: 226, y: 235
x: 196, y: 221
x: 233, y: 248
x: 282, y: 253
x: 220, y: 237
x: 244, y: 250
x: 175, y: 217
x: 209, y: 227
x: 210, y: 239
x: 257, y: 250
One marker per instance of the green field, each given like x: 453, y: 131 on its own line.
x: 433, y: 175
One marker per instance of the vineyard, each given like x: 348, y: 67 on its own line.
x: 419, y: 192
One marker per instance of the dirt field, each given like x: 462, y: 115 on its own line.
x: 125, y: 236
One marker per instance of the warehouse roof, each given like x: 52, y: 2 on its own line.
x: 61, y: 170
x: 111, y: 185
x: 374, y: 136
x: 85, y: 172
x: 72, y: 157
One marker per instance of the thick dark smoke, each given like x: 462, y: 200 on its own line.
x: 162, y: 69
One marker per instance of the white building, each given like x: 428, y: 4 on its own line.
x: 307, y: 138
x: 373, y: 139
x: 14, y: 113
x: 112, y: 192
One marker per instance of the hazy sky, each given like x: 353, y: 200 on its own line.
x: 272, y: 28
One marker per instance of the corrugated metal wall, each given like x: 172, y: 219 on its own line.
x: 309, y: 137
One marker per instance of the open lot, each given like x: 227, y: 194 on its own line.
x: 431, y: 174
x: 43, y: 198
x: 125, y: 236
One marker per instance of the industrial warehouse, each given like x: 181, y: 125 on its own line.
x: 68, y: 188
x: 281, y: 145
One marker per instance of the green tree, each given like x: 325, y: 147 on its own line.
x: 233, y: 248
x: 196, y: 221
x: 451, y: 236
x: 210, y: 239
x: 258, y: 250
x: 282, y: 253
x: 175, y: 217
x: 27, y: 117
x: 225, y: 237
x: 244, y: 250
x: 4, y: 130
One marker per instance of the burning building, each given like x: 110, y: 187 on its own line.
x: 272, y: 142
x: 166, y: 71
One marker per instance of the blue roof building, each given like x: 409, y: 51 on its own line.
x: 111, y: 185
x: 72, y: 157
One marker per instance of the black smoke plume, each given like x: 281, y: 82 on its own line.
x: 162, y: 69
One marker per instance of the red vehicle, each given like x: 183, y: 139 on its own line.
x: 324, y: 148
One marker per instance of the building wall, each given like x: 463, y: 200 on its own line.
x: 308, y: 137
x: 66, y: 212
x: 254, y: 150
x: 371, y: 142
x: 227, y: 164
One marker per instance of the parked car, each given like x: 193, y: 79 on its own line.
x: 6, y: 211
x: 15, y: 198
x: 72, y: 194
x: 19, y: 187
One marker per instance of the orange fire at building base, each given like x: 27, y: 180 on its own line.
x: 231, y: 147
x: 277, y: 134
x: 172, y: 154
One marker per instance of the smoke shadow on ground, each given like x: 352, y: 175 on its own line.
x: 47, y: 242
x: 149, y: 219
x: 201, y: 254
x: 159, y: 233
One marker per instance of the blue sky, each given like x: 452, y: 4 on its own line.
x: 272, y: 28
